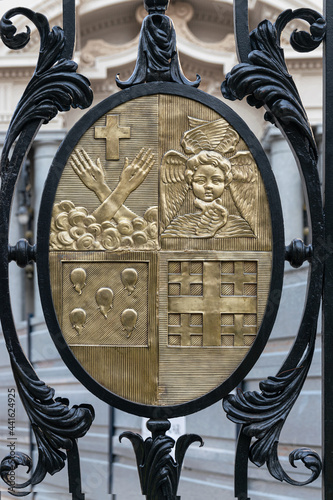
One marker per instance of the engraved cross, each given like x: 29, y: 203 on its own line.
x: 210, y: 302
x: 185, y: 329
x: 112, y: 133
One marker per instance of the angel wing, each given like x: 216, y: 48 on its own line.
x: 244, y: 186
x: 195, y: 122
x: 217, y: 136
x: 173, y: 186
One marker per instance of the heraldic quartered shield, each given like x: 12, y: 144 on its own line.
x: 160, y: 241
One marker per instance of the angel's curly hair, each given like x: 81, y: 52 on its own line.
x: 208, y: 158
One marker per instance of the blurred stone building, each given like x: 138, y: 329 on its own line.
x: 107, y: 41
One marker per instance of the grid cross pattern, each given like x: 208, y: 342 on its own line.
x: 214, y: 290
x: 189, y: 330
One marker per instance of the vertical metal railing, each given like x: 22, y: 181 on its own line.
x: 327, y: 344
x: 69, y: 26
x: 29, y: 353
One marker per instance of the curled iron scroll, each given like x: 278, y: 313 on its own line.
x: 55, y: 86
x: 262, y: 75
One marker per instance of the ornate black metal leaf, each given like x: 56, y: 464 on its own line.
x: 11, y: 463
x: 263, y: 416
x: 54, y: 424
x: 159, y: 472
x: 265, y: 78
x: 158, y: 58
x: 55, y: 85
x: 310, y: 459
x: 301, y: 41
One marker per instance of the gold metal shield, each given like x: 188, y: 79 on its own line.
x: 160, y: 250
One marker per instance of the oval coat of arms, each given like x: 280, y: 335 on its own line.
x: 164, y: 250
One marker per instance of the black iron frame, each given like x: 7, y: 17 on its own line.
x: 262, y: 75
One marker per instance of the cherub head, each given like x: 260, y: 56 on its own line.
x: 208, y: 173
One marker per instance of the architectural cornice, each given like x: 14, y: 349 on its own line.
x: 96, y: 52
x: 105, y: 24
x: 95, y: 49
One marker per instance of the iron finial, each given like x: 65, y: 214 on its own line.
x: 156, y: 6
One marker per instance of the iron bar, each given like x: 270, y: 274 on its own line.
x: 327, y: 333
x: 69, y: 20
x: 111, y: 434
x: 29, y: 353
x: 74, y: 472
x: 241, y: 23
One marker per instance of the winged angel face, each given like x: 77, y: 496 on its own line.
x: 214, y: 173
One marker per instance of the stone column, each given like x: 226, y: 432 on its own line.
x: 44, y: 149
x: 289, y: 183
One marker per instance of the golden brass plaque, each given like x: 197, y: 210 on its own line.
x: 160, y: 250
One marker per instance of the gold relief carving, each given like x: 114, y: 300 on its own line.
x: 112, y: 226
x: 104, y: 300
x: 78, y: 318
x: 78, y: 278
x: 176, y: 248
x: 209, y: 174
x: 129, y: 277
x: 129, y: 318
x: 106, y: 312
x: 203, y: 298
x: 112, y: 133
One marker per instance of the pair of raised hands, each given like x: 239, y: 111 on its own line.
x: 93, y: 177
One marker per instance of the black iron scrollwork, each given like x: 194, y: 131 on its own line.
x: 54, y: 87
x: 159, y: 472
x: 263, y: 77
x: 158, y: 58
x: 263, y: 416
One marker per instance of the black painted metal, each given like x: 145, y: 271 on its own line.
x: 22, y: 253
x: 54, y: 87
x: 74, y: 472
x: 297, y: 253
x: 159, y: 473
x: 29, y: 355
x: 263, y: 77
x: 158, y: 59
x: 241, y: 23
x: 327, y: 343
x: 69, y: 18
x: 111, y: 456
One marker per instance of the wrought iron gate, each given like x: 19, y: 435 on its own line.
x: 262, y: 76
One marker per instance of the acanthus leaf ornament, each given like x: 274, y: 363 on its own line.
x: 159, y: 472
x: 54, y: 424
x: 158, y: 58
x: 264, y: 78
x: 263, y: 415
x: 54, y: 87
